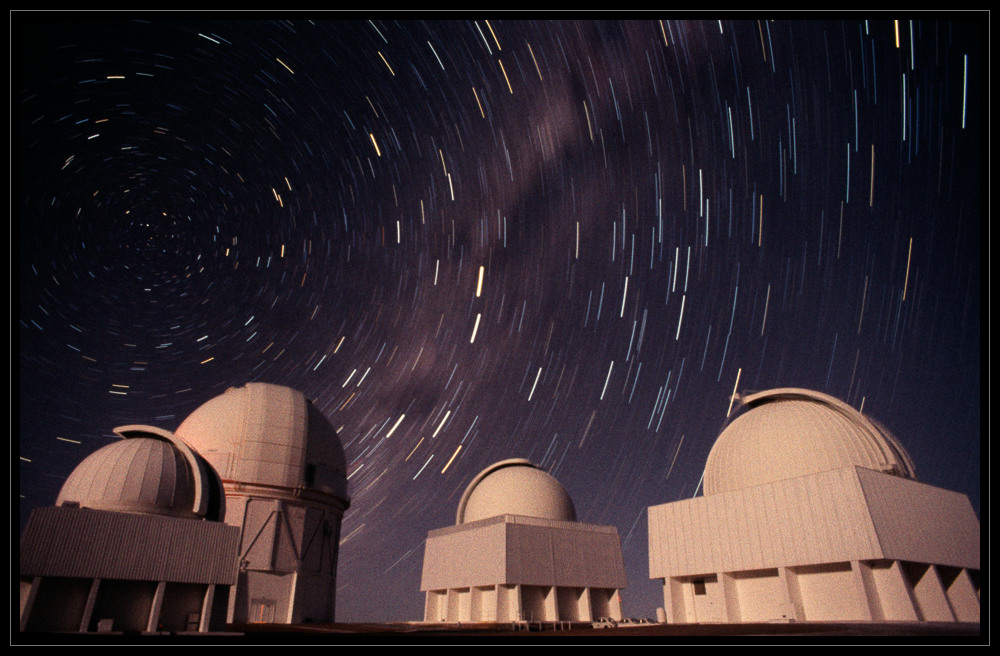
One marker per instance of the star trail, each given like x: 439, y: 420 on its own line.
x: 470, y: 240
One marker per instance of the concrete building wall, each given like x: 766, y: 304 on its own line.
x: 570, y: 602
x: 508, y: 603
x: 53, y: 603
x: 126, y: 604
x: 315, y: 596
x: 929, y: 592
x: 963, y: 595
x: 520, y: 603
x: 435, y: 609
x: 181, y: 607
x: 459, y: 605
x: 258, y: 526
x: 485, y: 603
x: 263, y: 597
x: 858, y: 591
x: 830, y: 593
x: 763, y: 596
x: 101, y: 605
x: 705, y: 601
x: 894, y: 595
x: 605, y: 602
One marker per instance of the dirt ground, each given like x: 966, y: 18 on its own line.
x: 651, y: 633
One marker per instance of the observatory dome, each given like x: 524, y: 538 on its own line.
x: 514, y: 487
x: 151, y: 472
x: 790, y: 432
x: 263, y: 434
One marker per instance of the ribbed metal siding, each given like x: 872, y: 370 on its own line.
x: 465, y: 557
x: 921, y: 523
x: 84, y: 543
x: 570, y: 555
x: 523, y: 550
x: 813, y: 519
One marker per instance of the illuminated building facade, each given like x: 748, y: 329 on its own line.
x: 134, y: 543
x: 517, y: 553
x: 811, y: 512
x: 233, y: 518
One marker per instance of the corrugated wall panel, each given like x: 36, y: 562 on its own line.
x: 464, y: 558
x: 653, y: 528
x: 596, y: 558
x: 787, y: 532
x: 827, y: 495
x: 809, y: 535
x: 695, y: 544
x: 762, y: 533
x: 854, y: 518
x: 713, y: 545
x: 812, y: 519
x: 96, y: 544
x: 921, y: 523
x: 687, y: 547
x: 785, y: 537
x: 564, y: 555
x: 744, y: 521
x: 530, y: 558
x: 523, y: 550
x: 772, y: 515
x: 719, y: 529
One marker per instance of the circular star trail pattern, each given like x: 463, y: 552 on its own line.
x: 472, y: 240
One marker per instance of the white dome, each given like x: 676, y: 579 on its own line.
x: 514, y: 487
x: 271, y: 435
x: 152, y: 472
x: 794, y: 432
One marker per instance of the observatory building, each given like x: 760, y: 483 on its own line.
x: 811, y: 512
x: 517, y: 553
x: 285, y: 477
x: 135, y: 542
x: 235, y: 517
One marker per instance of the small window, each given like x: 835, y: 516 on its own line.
x: 699, y: 586
x: 310, y: 475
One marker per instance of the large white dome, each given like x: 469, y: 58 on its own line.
x: 263, y: 434
x: 794, y: 432
x: 514, y: 487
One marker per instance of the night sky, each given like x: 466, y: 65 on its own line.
x: 472, y: 240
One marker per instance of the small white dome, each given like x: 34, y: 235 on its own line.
x: 149, y: 474
x: 794, y: 432
x: 514, y: 487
